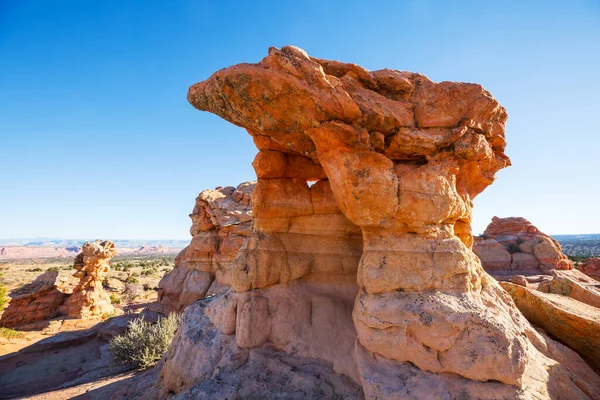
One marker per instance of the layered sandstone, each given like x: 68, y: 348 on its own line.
x: 221, y: 222
x: 566, y: 311
x: 514, y: 246
x: 89, y: 300
x: 591, y: 268
x: 397, y: 161
x: 48, y: 296
x: 36, y: 301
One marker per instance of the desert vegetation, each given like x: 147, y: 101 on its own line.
x: 144, y: 343
x: 131, y: 278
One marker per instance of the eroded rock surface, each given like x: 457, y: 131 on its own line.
x: 591, y: 268
x: 221, y: 222
x: 514, y: 246
x: 397, y: 161
x: 37, y: 301
x: 573, y: 322
x: 89, y: 300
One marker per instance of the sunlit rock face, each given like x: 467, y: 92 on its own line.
x: 49, y: 296
x: 36, y: 301
x: 513, y: 246
x: 221, y: 223
x: 591, y: 268
x: 369, y: 268
x: 89, y: 299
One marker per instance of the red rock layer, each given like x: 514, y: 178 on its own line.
x: 221, y: 222
x: 37, y: 301
x: 513, y: 246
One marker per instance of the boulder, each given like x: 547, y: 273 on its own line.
x: 36, y: 301
x: 591, y: 268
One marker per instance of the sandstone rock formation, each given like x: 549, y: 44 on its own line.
x: 221, y: 222
x: 89, y: 300
x: 591, y: 268
x: 368, y: 272
x: 34, y: 302
x: 513, y: 246
x: 575, y: 323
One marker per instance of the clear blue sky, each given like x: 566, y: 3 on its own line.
x: 97, y: 138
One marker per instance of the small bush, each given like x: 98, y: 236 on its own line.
x: 131, y: 292
x: 114, y: 299
x: 3, y: 292
x: 108, y: 315
x: 8, y: 333
x: 513, y: 248
x: 36, y: 269
x: 52, y: 269
x: 144, y: 343
x: 131, y: 279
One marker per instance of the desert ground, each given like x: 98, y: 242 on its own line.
x: 132, y: 283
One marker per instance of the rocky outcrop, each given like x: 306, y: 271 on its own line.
x: 513, y: 246
x: 573, y: 322
x: 591, y: 268
x: 89, y: 300
x: 221, y: 222
x: 36, y: 301
x: 48, y: 296
x: 65, y: 359
x: 397, y: 160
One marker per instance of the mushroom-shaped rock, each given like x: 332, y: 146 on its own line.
x: 398, y: 160
x: 89, y: 300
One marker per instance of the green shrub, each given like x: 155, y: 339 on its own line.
x: 131, y: 291
x: 52, y: 269
x: 114, y: 299
x: 144, y: 343
x: 36, y: 269
x: 3, y: 293
x: 8, y: 333
x: 131, y: 279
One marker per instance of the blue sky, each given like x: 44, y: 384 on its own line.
x: 97, y: 138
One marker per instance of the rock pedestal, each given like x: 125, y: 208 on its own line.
x: 397, y: 160
x: 89, y: 300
